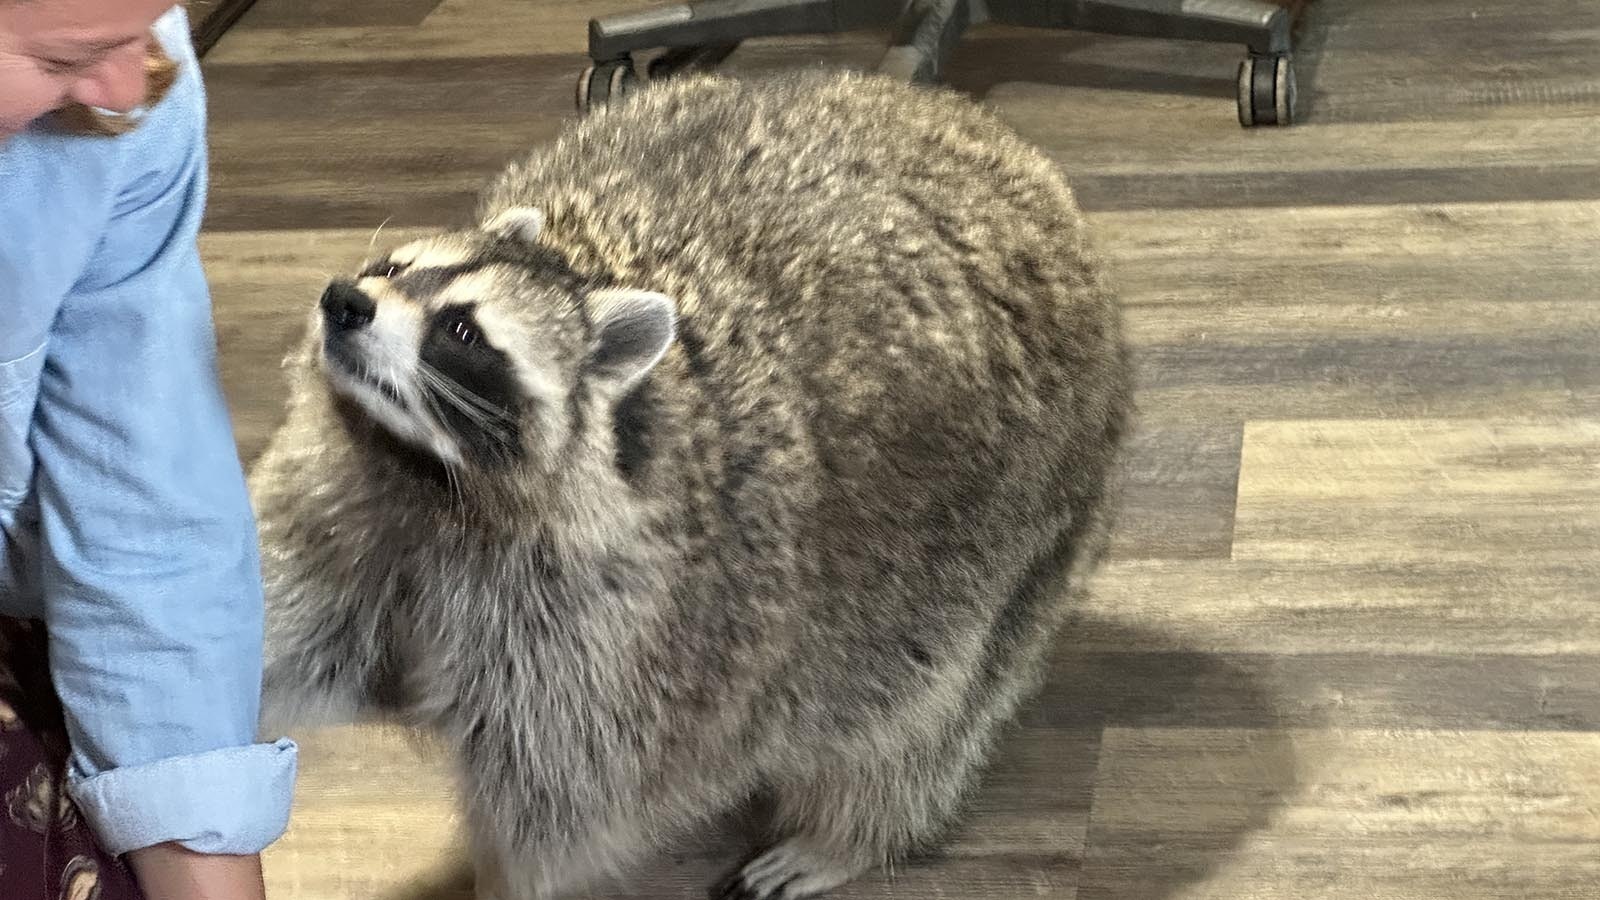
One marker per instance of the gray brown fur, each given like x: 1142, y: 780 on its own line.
x: 818, y: 555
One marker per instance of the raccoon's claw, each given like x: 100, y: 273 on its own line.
x: 792, y: 870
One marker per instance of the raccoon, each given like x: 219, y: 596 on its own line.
x: 750, y: 446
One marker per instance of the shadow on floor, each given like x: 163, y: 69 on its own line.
x: 1195, y: 756
x: 1067, y: 59
x: 454, y: 882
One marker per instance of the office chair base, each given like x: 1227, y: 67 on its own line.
x: 606, y: 82
x: 701, y: 34
x: 1266, y: 90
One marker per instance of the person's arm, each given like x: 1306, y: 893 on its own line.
x: 171, y: 872
x: 148, y: 558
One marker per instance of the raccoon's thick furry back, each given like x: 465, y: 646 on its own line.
x: 901, y: 370
x: 838, y: 522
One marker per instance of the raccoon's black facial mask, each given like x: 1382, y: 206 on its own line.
x: 427, y: 374
x: 422, y: 342
x: 471, y: 386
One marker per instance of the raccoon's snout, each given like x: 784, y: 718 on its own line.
x: 346, y: 311
x: 346, y: 308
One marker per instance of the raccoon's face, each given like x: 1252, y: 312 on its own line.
x: 470, y: 346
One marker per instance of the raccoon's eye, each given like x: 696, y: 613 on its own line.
x: 383, y: 269
x: 463, y: 331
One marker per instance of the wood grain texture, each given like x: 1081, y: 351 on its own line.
x: 1356, y: 814
x: 1178, y: 499
x: 1266, y: 690
x: 1347, y: 644
x: 295, y: 14
x: 1441, y: 310
x: 1400, y: 600
x: 374, y: 812
x: 1403, y: 491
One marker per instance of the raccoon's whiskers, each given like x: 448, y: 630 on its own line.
x: 484, y: 415
x: 373, y: 242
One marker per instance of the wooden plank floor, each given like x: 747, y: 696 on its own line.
x: 1349, y: 644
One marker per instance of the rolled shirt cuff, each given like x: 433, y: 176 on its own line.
x: 232, y: 801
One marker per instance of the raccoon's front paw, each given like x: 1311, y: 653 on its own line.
x: 793, y: 870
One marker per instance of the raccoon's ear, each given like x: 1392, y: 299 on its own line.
x: 522, y: 223
x: 632, y: 332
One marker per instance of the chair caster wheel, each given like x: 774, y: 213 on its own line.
x: 1266, y: 90
x: 605, y: 83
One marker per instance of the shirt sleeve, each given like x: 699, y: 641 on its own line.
x: 149, y: 563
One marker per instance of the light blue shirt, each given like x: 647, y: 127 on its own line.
x: 127, y: 527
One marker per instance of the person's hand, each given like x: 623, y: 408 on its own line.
x: 172, y: 872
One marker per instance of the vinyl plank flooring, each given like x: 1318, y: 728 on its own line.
x: 1343, y: 814
x: 1083, y: 128
x: 1399, y: 691
x: 1400, y: 491
x: 373, y: 172
x: 300, y: 14
x: 372, y: 153
x: 1523, y: 237
x: 400, y: 92
x: 1436, y: 310
x: 1173, y: 809
x: 1246, y: 192
x: 1400, y: 602
x: 1297, y: 376
x: 1179, y: 497
x: 452, y: 30
x: 374, y: 811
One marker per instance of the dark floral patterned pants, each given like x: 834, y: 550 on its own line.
x: 47, y: 851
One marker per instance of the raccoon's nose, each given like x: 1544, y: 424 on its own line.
x: 345, y: 308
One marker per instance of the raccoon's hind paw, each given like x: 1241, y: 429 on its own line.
x: 794, y: 869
